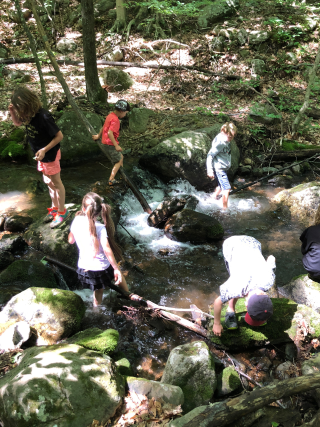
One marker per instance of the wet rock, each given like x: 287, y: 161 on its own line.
x: 61, y: 382
x: 302, y: 201
x: 14, y: 336
x: 17, y: 223
x: 283, y: 371
x: 194, y: 227
x: 258, y: 67
x: 77, y: 143
x: 285, y: 325
x: 227, y: 382
x: 53, y: 313
x: 217, y: 12
x: 242, y: 36
x: 264, y: 113
x: 184, y: 156
x: 165, y: 210
x: 12, y: 244
x: 291, y: 351
x: 117, y: 80
x: 281, y: 181
x: 257, y: 37
x: 303, y: 290
x: 191, y: 367
x: 192, y: 203
x: 138, y: 119
x: 95, y: 339
x: 153, y: 389
x: 6, y: 258
x: 66, y: 45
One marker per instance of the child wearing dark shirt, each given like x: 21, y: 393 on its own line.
x: 310, y: 249
x: 44, y: 138
x: 110, y: 134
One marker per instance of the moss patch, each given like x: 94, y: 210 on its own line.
x: 228, y: 381
x: 124, y: 367
x: 289, y: 145
x: 280, y: 328
x: 10, y: 147
x: 96, y: 339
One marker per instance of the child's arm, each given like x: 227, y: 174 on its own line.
x: 98, y: 136
x: 14, y: 117
x: 214, y: 150
x: 109, y: 254
x: 41, y: 153
x: 71, y: 238
x: 114, y: 142
x: 217, y: 307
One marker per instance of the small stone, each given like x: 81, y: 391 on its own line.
x: 257, y: 37
x: 217, y: 44
x: 66, y: 45
x: 248, y: 161
x: 242, y: 36
x: 244, y: 53
x: 258, y: 67
x: 296, y: 170
x: 283, y: 369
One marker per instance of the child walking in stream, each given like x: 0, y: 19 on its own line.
x: 219, y: 161
x: 110, y: 134
x: 44, y: 137
x: 97, y: 266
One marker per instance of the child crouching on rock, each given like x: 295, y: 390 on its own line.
x: 219, y: 161
x: 250, y: 277
x: 97, y: 266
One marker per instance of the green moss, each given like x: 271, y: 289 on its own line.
x: 228, y: 381
x: 96, y: 339
x: 25, y: 274
x: 289, y: 145
x: 17, y: 135
x: 124, y: 367
x: 277, y: 329
x: 215, y: 232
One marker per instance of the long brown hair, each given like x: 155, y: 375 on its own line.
x: 26, y: 103
x: 93, y: 204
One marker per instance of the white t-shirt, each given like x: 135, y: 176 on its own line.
x: 80, y: 230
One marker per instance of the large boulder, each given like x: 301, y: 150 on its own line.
x: 153, y: 389
x: 284, y: 326
x: 66, y: 45
x: 264, y: 113
x: 17, y: 223
x: 53, y: 313
x: 303, y: 290
x: 218, y: 11
x: 138, y: 119
x: 165, y: 210
x: 95, y: 339
x: 195, y: 227
x: 77, y: 143
x: 302, y: 201
x: 191, y: 367
x: 10, y: 245
x: 61, y: 385
x: 117, y: 80
x: 183, y: 156
x: 14, y: 336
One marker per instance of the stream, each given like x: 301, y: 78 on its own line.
x: 166, y: 272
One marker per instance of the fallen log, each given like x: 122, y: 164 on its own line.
x: 81, y: 116
x: 222, y: 414
x: 11, y: 61
x: 290, y: 155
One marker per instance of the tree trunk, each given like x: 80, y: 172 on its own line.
x: 305, y: 105
x: 222, y: 414
x: 95, y: 93
x: 121, y: 13
x: 81, y: 116
x: 34, y: 51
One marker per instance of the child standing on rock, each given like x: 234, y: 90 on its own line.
x: 219, y: 161
x: 97, y: 266
x: 44, y: 138
x: 110, y: 134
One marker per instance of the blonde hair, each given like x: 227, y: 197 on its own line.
x: 317, y: 217
x: 93, y: 204
x: 26, y: 103
x: 229, y: 128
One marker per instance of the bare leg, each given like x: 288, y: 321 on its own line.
x: 123, y: 285
x: 97, y: 297
x: 217, y: 192
x: 56, y: 190
x: 232, y: 305
x: 115, y: 169
x: 225, y: 197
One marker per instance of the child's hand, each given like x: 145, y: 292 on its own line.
x: 95, y: 137
x: 118, y: 148
x: 117, y: 276
x: 217, y: 329
x: 211, y: 176
x: 40, y: 154
x: 11, y: 108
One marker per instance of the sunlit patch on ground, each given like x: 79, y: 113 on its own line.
x: 14, y: 201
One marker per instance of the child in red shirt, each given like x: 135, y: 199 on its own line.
x: 110, y: 134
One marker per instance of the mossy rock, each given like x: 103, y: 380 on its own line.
x: 17, y: 135
x: 281, y: 327
x: 124, y: 366
x: 95, y: 339
x: 228, y: 381
x: 117, y: 80
x: 289, y: 145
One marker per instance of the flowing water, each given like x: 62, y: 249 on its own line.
x: 166, y: 272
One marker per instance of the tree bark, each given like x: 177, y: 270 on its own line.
x: 35, y: 54
x: 95, y: 93
x: 81, y: 116
x: 224, y: 413
x: 121, y: 15
x: 305, y: 105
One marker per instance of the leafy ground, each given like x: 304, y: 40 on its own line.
x: 176, y: 94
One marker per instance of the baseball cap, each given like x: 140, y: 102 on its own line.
x: 259, y: 309
x: 122, y: 105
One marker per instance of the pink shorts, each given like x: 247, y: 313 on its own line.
x: 50, y: 168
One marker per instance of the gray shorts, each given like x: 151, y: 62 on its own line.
x: 113, y: 153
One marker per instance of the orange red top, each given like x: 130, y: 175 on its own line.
x: 112, y: 123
